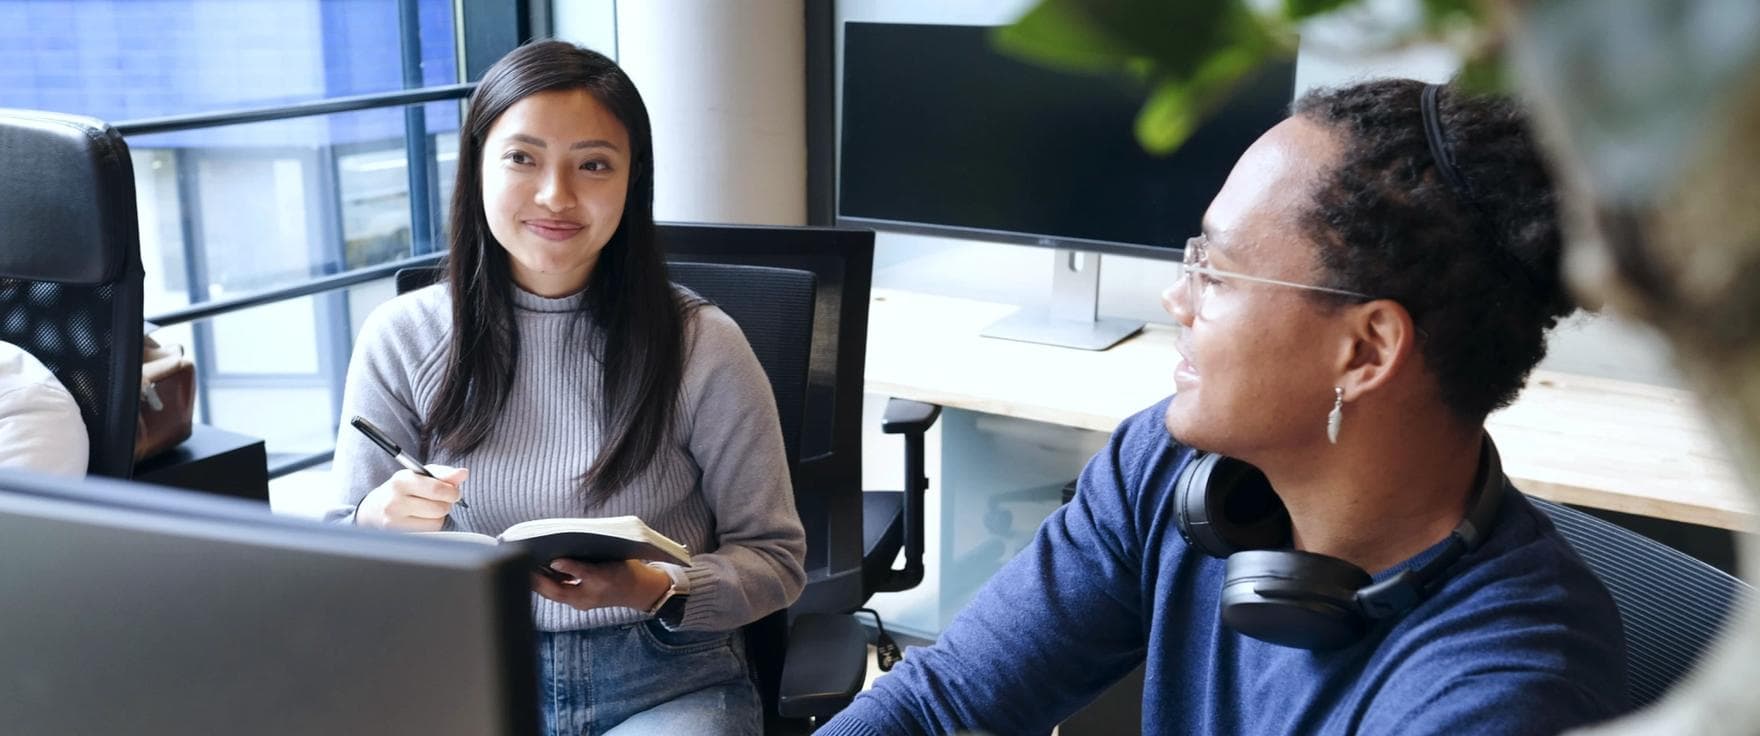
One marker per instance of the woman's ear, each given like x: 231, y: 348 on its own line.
x: 1380, y: 341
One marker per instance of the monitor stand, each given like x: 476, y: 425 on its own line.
x: 1073, y: 319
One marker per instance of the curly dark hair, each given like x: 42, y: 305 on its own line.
x: 1477, y: 269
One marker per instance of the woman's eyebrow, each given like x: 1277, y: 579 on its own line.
x: 539, y: 142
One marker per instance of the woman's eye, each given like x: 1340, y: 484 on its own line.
x: 1208, y: 280
x: 518, y: 157
x: 596, y: 166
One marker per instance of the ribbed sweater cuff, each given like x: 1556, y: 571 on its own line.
x: 700, y: 610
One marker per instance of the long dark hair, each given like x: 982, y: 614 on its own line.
x: 639, y: 340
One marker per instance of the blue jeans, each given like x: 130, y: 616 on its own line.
x: 640, y: 678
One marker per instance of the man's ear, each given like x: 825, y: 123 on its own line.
x: 1379, y: 341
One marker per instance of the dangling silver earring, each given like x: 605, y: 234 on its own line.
x: 1336, y: 417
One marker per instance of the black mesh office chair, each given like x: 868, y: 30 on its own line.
x: 70, y: 269
x: 853, y: 537
x: 1671, y: 604
x: 774, y: 308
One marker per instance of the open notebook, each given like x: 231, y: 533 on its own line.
x: 602, y: 539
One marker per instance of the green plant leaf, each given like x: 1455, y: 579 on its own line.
x: 1177, y: 105
x: 1195, y: 51
x: 1483, y: 73
x: 1439, y: 14
x: 1300, y: 9
x: 1101, y: 35
x: 1058, y: 33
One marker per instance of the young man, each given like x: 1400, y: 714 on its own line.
x: 1375, y: 277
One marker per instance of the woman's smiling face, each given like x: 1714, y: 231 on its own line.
x: 555, y: 178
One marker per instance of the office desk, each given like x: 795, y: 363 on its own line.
x: 1600, y: 443
x: 212, y: 460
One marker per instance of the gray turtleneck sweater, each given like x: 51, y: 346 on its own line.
x: 721, y: 487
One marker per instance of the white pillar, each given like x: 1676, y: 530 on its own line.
x: 725, y: 84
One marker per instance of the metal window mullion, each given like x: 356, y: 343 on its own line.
x: 148, y: 126
x: 415, y: 131
x: 331, y: 308
x: 195, y: 272
x: 209, y: 310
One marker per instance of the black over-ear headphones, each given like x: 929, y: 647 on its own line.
x: 1302, y: 599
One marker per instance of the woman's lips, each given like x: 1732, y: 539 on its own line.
x: 554, y: 229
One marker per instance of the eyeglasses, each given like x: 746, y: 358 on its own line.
x: 1199, y: 280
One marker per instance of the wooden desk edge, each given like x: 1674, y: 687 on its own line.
x: 1659, y: 508
x: 1655, y: 508
x: 1719, y: 516
x: 1079, y: 420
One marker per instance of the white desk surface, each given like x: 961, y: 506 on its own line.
x: 1601, y: 443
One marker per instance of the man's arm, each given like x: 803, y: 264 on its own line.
x: 1047, y: 633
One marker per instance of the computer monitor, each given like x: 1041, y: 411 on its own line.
x: 139, y: 610
x: 944, y: 135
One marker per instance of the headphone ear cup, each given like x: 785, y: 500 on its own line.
x: 1226, y: 505
x: 1294, y: 599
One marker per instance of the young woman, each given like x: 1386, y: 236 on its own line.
x: 556, y: 373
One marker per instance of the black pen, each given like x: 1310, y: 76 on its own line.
x: 394, y: 451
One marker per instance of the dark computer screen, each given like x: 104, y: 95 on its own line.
x: 943, y: 134
x: 131, y: 609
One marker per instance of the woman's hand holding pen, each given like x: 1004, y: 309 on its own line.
x: 411, y: 502
x: 627, y: 583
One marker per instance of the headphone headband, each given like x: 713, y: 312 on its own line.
x: 1404, y: 589
x: 1227, y: 509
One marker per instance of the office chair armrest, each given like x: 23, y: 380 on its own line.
x: 826, y: 662
x: 904, y: 416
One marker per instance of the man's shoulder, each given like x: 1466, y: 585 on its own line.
x: 1527, y: 565
x: 40, y: 423
x: 28, y: 386
x: 1522, y: 608
x: 21, y: 370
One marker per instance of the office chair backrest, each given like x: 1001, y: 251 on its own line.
x: 70, y: 269
x: 828, y: 481
x: 1671, y: 604
x: 774, y: 308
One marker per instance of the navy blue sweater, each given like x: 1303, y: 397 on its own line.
x: 1519, y: 639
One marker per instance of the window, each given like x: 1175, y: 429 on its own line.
x: 240, y: 208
